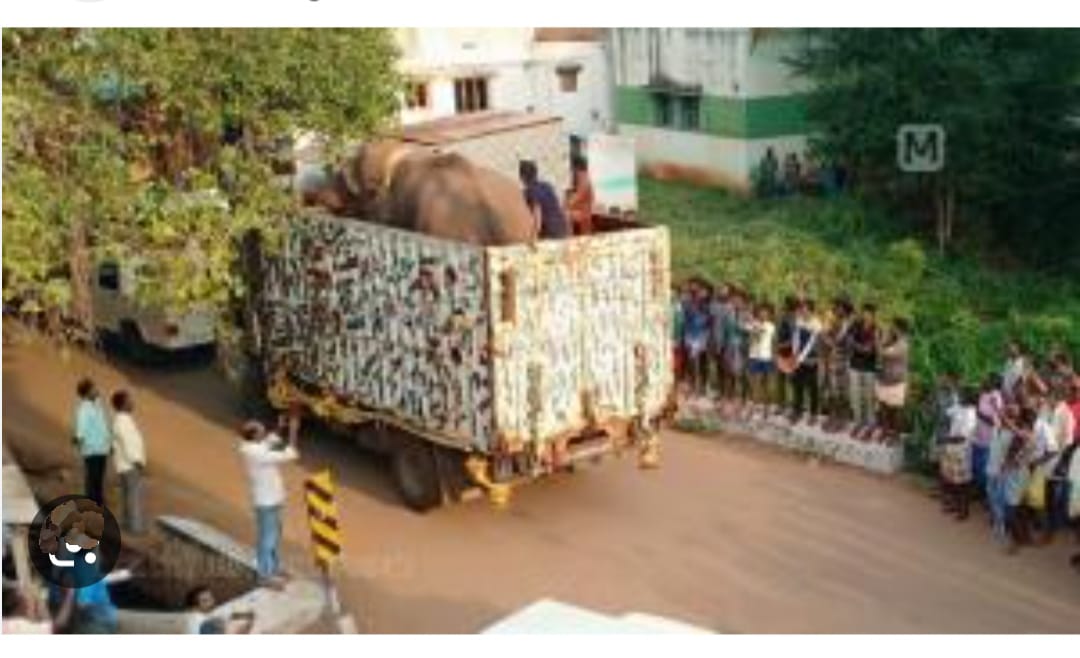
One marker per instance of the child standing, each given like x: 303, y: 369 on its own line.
x: 696, y: 328
x: 1014, y: 475
x: 955, y: 461
x: 946, y: 397
x: 892, y: 380
x: 761, y: 331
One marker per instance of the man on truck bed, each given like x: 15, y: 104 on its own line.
x: 543, y: 202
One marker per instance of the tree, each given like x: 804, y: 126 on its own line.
x: 163, y: 145
x: 1007, y: 100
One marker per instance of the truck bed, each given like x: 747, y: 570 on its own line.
x: 473, y: 347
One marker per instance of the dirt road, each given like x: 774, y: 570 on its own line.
x: 727, y: 534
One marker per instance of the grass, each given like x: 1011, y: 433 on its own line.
x: 963, y: 310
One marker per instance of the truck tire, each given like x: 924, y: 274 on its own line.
x: 135, y: 347
x: 417, y: 475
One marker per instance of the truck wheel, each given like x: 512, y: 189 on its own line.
x: 137, y: 349
x: 416, y: 475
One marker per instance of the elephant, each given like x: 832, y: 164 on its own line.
x: 439, y: 194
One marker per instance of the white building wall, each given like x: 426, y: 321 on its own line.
x: 713, y: 58
x: 589, y: 108
x: 522, y: 73
x: 766, y: 72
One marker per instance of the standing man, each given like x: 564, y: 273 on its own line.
x: 264, y: 452
x: 806, y: 348
x: 864, y: 338
x: 130, y: 460
x: 93, y: 439
x: 543, y: 202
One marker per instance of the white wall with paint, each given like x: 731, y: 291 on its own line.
x: 726, y: 157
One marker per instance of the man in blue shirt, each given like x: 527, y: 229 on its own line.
x: 92, y: 438
x: 543, y: 202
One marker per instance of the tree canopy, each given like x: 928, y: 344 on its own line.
x: 163, y: 145
x: 1009, y: 103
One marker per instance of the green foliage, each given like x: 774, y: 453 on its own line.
x: 1007, y: 100
x: 963, y: 311
x: 161, y: 144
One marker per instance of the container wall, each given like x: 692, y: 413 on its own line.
x: 395, y: 321
x: 544, y: 143
x: 580, y: 326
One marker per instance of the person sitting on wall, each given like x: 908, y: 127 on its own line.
x: 543, y: 202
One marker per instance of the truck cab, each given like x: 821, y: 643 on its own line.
x: 144, y: 329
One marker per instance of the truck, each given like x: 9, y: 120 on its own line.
x: 475, y: 368
x: 145, y: 331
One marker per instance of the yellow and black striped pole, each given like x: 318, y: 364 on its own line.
x: 323, y: 518
x: 326, y: 540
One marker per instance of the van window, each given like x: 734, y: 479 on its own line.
x: 109, y: 276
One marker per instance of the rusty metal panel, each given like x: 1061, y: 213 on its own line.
x: 580, y: 332
x: 391, y: 320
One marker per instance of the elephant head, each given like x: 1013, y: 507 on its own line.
x: 369, y: 172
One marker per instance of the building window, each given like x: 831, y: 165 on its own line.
x: 682, y: 112
x: 665, y: 110
x: 416, y: 95
x: 690, y: 111
x: 470, y: 94
x: 568, y: 78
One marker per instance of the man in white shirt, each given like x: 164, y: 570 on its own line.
x: 264, y: 452
x: 129, y: 452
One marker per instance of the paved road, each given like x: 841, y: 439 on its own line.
x: 729, y: 535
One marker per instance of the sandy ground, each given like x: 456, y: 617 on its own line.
x: 727, y: 534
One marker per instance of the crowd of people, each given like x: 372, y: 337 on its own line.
x: 830, y: 365
x: 795, y: 176
x: 1011, y: 443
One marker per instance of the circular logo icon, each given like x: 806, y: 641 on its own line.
x: 74, y: 541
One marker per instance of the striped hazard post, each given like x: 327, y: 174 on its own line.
x: 326, y: 541
x: 323, y: 518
